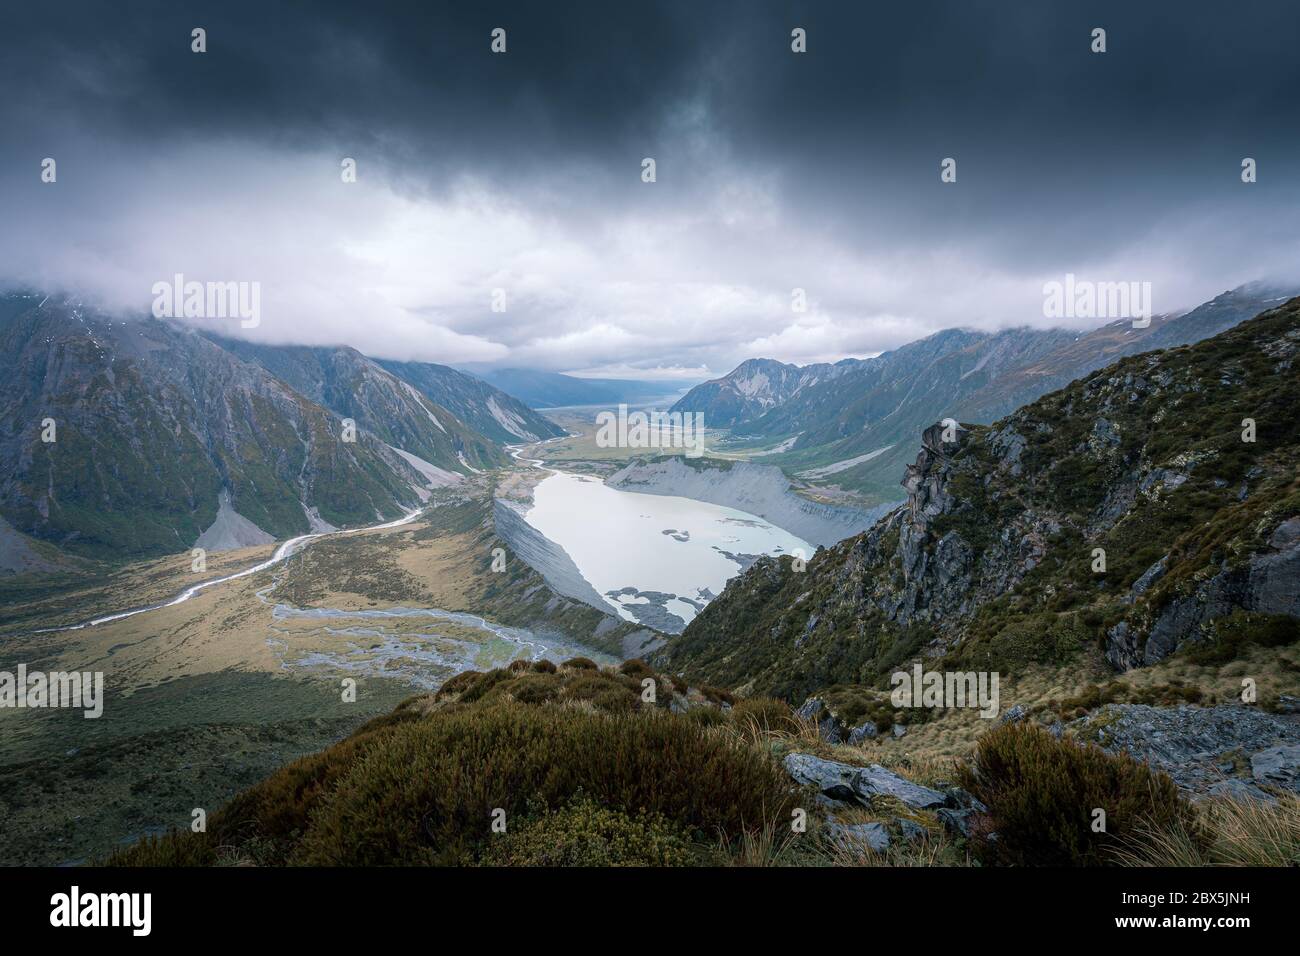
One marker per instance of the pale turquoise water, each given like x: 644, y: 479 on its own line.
x: 617, y: 539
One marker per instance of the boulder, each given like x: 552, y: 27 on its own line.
x: 861, y: 733
x: 855, y: 835
x: 876, y: 781
x: 1239, y: 790
x: 1278, y: 766
x: 1014, y: 716
x: 956, y: 822
x: 1190, y: 743
x: 912, y: 831
x: 832, y: 779
x: 849, y: 784
x: 965, y: 801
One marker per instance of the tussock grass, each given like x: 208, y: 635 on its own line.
x: 1228, y: 833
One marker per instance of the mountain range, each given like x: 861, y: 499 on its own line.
x: 854, y: 423
x: 1149, y: 506
x: 165, y: 437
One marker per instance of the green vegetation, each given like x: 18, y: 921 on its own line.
x: 583, y: 833
x: 1043, y: 796
x: 548, y: 747
x: 1143, y: 459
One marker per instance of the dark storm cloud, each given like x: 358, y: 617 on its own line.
x: 775, y: 170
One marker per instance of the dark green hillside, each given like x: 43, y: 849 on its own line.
x: 989, y: 564
x: 153, y: 423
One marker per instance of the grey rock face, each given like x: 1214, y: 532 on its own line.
x: 1189, y: 743
x: 542, y: 554
x: 877, y: 781
x: 1278, y: 766
x: 1149, y: 577
x: 1123, y: 650
x: 1234, y: 789
x: 859, y: 785
x: 832, y: 779
x: 854, y: 835
x: 1268, y: 583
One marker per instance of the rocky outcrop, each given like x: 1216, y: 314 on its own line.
x: 829, y: 727
x: 1003, y: 538
x: 1268, y: 582
x: 1228, y: 749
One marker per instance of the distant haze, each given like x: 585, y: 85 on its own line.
x: 522, y: 171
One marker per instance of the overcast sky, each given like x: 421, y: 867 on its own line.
x: 522, y: 171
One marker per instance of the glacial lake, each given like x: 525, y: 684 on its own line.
x: 655, y: 553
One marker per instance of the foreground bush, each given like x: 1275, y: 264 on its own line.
x: 1042, y: 795
x: 420, y: 788
x: 584, y: 834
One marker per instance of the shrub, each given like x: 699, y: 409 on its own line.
x: 636, y: 668
x: 603, y: 692
x: 426, y: 794
x: 528, y: 688
x: 717, y: 695
x: 544, y: 667
x: 585, y: 834
x: 1234, y: 633
x: 460, y: 683
x: 415, y: 789
x: 1042, y: 793
x: 580, y: 664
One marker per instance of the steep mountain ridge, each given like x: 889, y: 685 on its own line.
x: 153, y: 424
x: 861, y: 427
x: 484, y: 407
x: 991, y: 560
x: 754, y: 387
x: 356, y: 387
